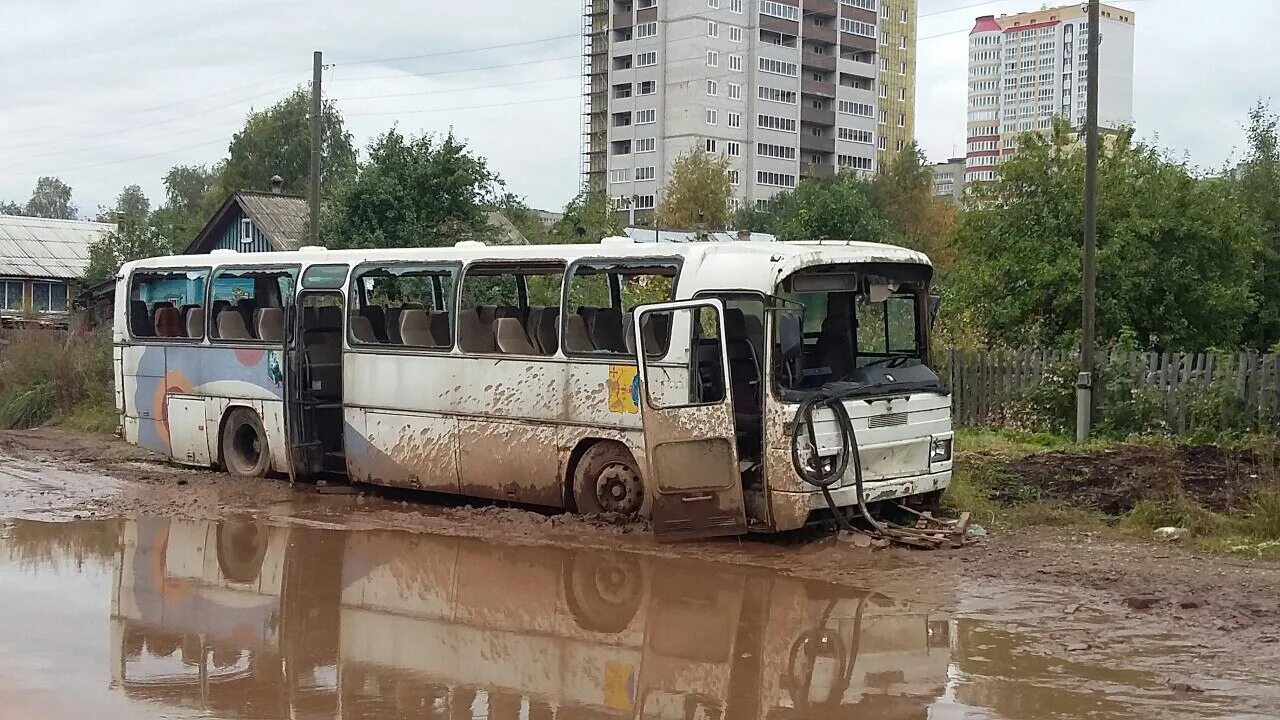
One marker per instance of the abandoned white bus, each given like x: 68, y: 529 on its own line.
x: 711, y: 387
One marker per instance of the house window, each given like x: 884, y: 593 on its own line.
x: 778, y: 67
x: 49, y: 297
x: 713, y: 29
x: 646, y: 87
x: 246, y: 231
x: 734, y: 148
x: 647, y: 59
x: 646, y: 30
x: 735, y: 120
x: 777, y: 9
x: 735, y: 63
x: 711, y: 145
x: 644, y: 202
x: 713, y: 4
x: 646, y: 173
x: 620, y: 175
x: 646, y: 145
x: 646, y: 117
x: 775, y: 179
x: 713, y: 58
x: 733, y: 177
x: 713, y: 88
x: 11, y: 295
x: 735, y: 34
x: 713, y: 116
x: 735, y: 6
x: 735, y: 91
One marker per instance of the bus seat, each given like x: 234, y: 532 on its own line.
x: 507, y: 311
x: 391, y: 326
x: 587, y: 312
x: 329, y: 317
x: 629, y: 331
x: 271, y: 324
x: 215, y: 313
x: 576, y: 337
x: 834, y: 348
x: 486, y: 314
x: 140, y: 319
x: 377, y: 318
x: 231, y: 325
x: 415, y: 328
x: 547, y: 336
x: 169, y: 323
x: 248, y: 307
x: 532, y: 319
x: 511, y: 338
x: 186, y: 310
x: 195, y: 322
x: 755, y: 334
x: 440, y: 331
x: 606, y: 330
x: 362, y: 330
x: 473, y: 335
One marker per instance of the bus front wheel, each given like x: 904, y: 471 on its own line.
x: 607, y: 480
x: 244, y: 444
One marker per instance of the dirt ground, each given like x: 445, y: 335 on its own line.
x: 1203, y: 623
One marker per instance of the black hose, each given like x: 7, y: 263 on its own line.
x: 849, y: 451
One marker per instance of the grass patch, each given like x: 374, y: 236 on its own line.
x: 46, y: 379
x: 92, y: 417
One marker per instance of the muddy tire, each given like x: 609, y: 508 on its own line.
x: 244, y: 445
x: 242, y: 546
x: 603, y: 590
x: 607, y: 480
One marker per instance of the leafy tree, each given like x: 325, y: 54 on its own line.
x: 697, y: 195
x: 133, y: 239
x: 8, y: 207
x: 51, y: 199
x: 1172, y: 250
x: 837, y: 208
x: 188, y: 203
x: 902, y: 190
x: 277, y: 141
x: 1258, y: 183
x: 422, y: 191
x: 588, y: 218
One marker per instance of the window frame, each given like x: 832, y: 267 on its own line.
x: 153, y: 340
x: 356, y: 297
x: 254, y: 342
x: 522, y: 298
x: 604, y: 357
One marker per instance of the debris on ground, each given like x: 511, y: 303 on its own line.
x: 1171, y: 534
x: 1141, y: 602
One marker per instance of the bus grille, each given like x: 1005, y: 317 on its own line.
x: 887, y: 420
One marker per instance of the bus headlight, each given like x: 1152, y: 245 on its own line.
x: 940, y: 449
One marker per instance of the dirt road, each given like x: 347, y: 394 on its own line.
x: 1050, y: 623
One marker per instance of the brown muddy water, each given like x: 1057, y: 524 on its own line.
x: 158, y: 618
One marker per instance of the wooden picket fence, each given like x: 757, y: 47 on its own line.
x: 989, y: 387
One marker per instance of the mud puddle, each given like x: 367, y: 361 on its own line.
x: 155, y: 618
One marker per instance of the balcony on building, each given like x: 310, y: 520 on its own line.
x: 812, y: 8
x: 820, y: 88
x: 817, y: 30
x: 817, y: 143
x: 817, y: 116
x: 777, y: 25
x: 850, y: 43
x: 620, y: 147
x: 815, y: 61
x: 779, y: 39
x: 817, y: 170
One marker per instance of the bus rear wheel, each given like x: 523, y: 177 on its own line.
x: 244, y: 445
x: 607, y: 480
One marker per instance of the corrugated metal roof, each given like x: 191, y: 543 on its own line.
x: 283, y: 218
x: 43, y: 248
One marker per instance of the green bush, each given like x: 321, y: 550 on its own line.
x: 45, y: 379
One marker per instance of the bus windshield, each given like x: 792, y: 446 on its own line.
x: 855, y: 324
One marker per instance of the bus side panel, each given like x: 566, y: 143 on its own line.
x: 146, y: 422
x: 418, y: 450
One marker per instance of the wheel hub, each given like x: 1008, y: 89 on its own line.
x: 618, y: 489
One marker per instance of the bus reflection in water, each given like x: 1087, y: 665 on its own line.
x: 246, y: 620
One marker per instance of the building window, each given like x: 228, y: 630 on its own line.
x: 645, y: 145
x: 861, y: 4
x: 773, y: 122
x: 881, y: 143
x: 713, y: 116
x: 902, y: 94
x: 713, y: 29
x: 646, y: 30
x: 853, y: 135
x: 855, y: 27
x: 902, y: 145
x: 735, y: 6
x: 733, y: 177
x: 713, y: 88
x: 853, y: 161
x: 775, y: 179
x: 778, y: 67
x: 902, y: 68
x: 902, y: 43
x: 646, y: 173
x: 11, y: 295
x: 714, y: 4
x: 713, y: 58
x: 733, y: 148
x: 711, y: 145
x: 778, y: 10
x: 902, y: 119
x: 735, y: 34
x: 735, y: 91
x: 646, y: 117
x: 644, y: 202
x: 735, y: 63
x: 881, y: 119
x: 777, y: 95
x: 848, y: 107
x: 903, y: 16
x: 646, y: 87
x: 884, y: 90
x: 647, y: 59
x: 620, y: 175
x: 781, y: 152
x: 734, y: 120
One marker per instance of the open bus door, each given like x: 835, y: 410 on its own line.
x: 303, y: 460
x: 687, y: 411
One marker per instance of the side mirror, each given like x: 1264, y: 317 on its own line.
x: 790, y: 336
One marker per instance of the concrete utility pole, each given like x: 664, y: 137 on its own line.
x: 1085, y: 400
x: 317, y: 66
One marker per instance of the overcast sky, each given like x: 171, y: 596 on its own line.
x: 105, y: 94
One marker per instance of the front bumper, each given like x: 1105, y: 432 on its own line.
x: 791, y: 509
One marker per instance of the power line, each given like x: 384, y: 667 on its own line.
x: 461, y: 52
x: 458, y: 90
x: 575, y: 56
x: 59, y: 171
x: 466, y: 107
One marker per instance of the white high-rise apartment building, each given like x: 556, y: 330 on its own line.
x: 782, y: 88
x: 1025, y: 69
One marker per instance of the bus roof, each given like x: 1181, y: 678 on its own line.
x: 779, y: 258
